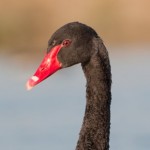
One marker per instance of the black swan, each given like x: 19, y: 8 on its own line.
x: 78, y: 43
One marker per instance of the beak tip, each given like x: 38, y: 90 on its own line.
x: 28, y: 86
x: 31, y: 82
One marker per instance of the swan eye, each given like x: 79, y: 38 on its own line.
x: 66, y: 43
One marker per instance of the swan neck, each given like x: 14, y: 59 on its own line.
x: 95, y: 130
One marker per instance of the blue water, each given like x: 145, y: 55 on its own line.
x: 49, y: 117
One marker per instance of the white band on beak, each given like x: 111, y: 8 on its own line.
x: 34, y: 78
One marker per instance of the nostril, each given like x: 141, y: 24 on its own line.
x: 42, y: 69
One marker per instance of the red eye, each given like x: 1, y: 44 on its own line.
x: 66, y: 43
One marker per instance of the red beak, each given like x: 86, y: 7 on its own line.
x: 48, y: 66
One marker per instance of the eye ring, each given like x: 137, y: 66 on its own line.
x: 66, y: 43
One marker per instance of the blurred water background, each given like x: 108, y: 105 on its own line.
x: 50, y: 116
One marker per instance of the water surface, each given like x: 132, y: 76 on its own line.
x: 50, y: 115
